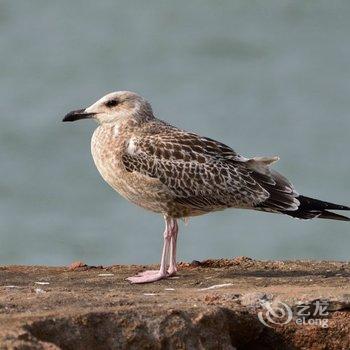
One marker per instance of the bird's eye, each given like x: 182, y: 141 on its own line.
x: 112, y: 103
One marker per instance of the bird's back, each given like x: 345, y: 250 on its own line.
x: 201, y: 174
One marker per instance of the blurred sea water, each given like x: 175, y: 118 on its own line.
x: 267, y: 78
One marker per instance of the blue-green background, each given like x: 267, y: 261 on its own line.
x: 266, y: 77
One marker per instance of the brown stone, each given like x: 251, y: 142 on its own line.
x: 213, y: 305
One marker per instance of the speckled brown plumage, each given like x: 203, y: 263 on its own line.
x: 200, y: 174
x: 180, y: 174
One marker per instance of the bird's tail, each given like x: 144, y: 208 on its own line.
x: 310, y: 208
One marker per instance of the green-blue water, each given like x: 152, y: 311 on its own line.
x: 267, y: 78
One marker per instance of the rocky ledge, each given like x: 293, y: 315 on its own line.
x: 213, y: 304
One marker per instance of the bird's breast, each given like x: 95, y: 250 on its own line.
x: 108, y: 145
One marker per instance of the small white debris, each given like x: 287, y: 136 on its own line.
x: 39, y: 291
x: 149, y: 294
x: 217, y: 286
x: 169, y: 289
x: 106, y: 274
x: 42, y: 283
x: 12, y: 286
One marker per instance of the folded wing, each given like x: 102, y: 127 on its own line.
x: 204, y: 174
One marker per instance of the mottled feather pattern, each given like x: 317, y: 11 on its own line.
x: 202, y: 173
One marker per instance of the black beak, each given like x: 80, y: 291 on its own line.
x: 76, y: 115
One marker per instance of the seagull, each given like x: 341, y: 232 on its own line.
x: 180, y: 174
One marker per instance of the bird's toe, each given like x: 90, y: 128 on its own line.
x: 147, y: 273
x: 146, y: 278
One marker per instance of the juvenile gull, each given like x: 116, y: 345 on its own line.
x: 180, y: 174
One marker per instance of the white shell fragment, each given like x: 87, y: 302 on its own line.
x: 215, y: 286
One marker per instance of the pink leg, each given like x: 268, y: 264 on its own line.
x: 172, y: 267
x: 172, y: 254
x: 169, y: 244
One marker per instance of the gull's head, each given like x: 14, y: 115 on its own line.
x: 114, y: 107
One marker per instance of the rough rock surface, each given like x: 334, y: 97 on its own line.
x: 212, y: 304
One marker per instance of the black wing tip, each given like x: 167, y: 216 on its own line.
x: 333, y: 216
x: 316, y: 204
x: 308, y: 215
x: 310, y: 208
